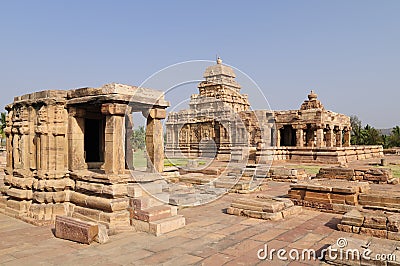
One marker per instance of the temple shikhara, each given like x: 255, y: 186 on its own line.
x: 219, y: 123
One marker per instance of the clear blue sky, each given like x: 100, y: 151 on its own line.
x: 347, y: 51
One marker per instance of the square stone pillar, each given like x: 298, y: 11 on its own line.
x: 76, y: 139
x: 310, y: 137
x: 347, y: 137
x: 278, y: 137
x: 330, y: 137
x: 299, y: 137
x: 155, y: 140
x: 320, y: 137
x: 114, y: 150
x: 339, y: 138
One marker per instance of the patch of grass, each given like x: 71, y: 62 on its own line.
x: 139, y: 159
x: 310, y: 169
x: 175, y: 162
x: 395, y: 169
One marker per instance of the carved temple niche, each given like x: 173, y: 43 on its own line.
x: 20, y: 139
x: 41, y: 137
x: 184, y: 134
x: 60, y: 137
x: 9, y: 137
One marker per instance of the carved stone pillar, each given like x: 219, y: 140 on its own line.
x: 339, y: 138
x: 299, y: 137
x: 320, y: 137
x: 76, y: 139
x: 310, y: 137
x: 347, y: 137
x: 154, y: 139
x: 114, y: 157
x: 329, y: 137
x: 278, y: 136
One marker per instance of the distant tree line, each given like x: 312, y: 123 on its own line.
x: 371, y: 136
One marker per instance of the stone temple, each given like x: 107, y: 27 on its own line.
x: 69, y: 153
x: 219, y: 123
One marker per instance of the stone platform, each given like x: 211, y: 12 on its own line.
x: 328, y: 194
x: 373, y: 175
x: 372, y: 223
x: 264, y: 207
x: 285, y: 174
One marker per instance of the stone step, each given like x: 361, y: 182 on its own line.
x: 149, y: 201
x: 154, y: 213
x: 232, y: 185
x: 151, y: 188
x: 160, y: 227
x: 134, y: 190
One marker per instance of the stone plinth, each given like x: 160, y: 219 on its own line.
x: 372, y: 223
x: 267, y: 208
x: 287, y: 174
x: 329, y: 195
x: 374, y: 175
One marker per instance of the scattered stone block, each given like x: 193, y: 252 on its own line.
x: 326, y: 193
x: 76, y: 230
x: 262, y: 207
x: 353, y: 218
x: 374, y: 175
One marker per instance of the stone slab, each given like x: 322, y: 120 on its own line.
x: 76, y: 230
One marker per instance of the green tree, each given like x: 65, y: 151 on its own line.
x: 139, y: 138
x: 2, y: 126
x: 356, y: 131
x: 371, y: 136
x: 394, y: 138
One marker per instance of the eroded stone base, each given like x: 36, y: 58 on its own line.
x: 267, y: 208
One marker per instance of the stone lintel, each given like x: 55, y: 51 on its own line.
x: 114, y: 109
x: 77, y: 112
x: 155, y: 113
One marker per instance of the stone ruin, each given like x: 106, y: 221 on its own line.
x: 374, y: 175
x: 69, y: 154
x: 264, y: 207
x: 286, y: 174
x: 373, y: 223
x: 332, y: 195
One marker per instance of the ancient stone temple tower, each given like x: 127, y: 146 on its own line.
x: 69, y: 153
x: 207, y: 127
